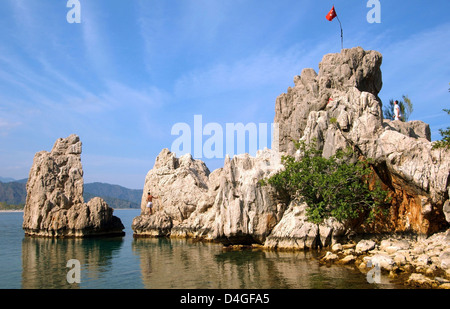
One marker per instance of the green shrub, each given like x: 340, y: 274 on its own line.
x: 331, y: 187
x: 445, y: 141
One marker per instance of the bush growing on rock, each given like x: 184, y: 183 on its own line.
x: 332, y: 187
x: 445, y: 142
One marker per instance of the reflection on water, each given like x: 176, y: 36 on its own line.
x: 44, y: 260
x: 182, y: 264
x: 124, y: 262
x: 176, y: 263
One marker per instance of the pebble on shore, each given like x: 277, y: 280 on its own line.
x: 421, y: 262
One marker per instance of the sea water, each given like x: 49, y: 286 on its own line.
x: 146, y: 263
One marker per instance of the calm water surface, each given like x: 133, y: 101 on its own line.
x: 124, y: 262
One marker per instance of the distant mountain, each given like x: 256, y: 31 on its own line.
x: 9, y: 179
x: 112, y: 202
x: 15, y: 193
x: 116, y: 196
x: 6, y: 179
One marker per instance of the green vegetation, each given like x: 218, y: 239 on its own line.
x: 406, y: 109
x: 5, y: 206
x: 445, y: 141
x: 13, y: 193
x: 331, y: 187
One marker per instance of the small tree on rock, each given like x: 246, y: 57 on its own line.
x: 331, y: 187
x: 445, y: 141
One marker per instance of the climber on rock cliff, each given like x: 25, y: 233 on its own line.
x: 150, y: 203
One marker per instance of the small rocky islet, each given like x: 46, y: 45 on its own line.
x: 54, y: 205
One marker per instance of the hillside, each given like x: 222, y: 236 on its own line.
x: 114, y: 191
x: 113, y: 202
x: 14, y: 193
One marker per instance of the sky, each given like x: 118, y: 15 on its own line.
x: 131, y: 70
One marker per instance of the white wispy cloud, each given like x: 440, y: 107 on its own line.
x: 6, y: 125
x: 261, y: 69
x: 94, y: 37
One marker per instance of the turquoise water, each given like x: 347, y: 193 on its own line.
x: 127, y: 263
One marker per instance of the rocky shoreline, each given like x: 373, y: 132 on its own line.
x: 412, y: 260
x: 417, y: 261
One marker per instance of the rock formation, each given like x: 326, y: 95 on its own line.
x: 228, y: 204
x: 346, y: 91
x: 54, y: 205
x: 338, y: 107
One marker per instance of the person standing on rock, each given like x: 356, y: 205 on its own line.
x: 150, y: 203
x: 396, y: 111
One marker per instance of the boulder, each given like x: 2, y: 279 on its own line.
x: 347, y: 259
x: 54, y: 206
x: 295, y: 232
x: 444, y: 259
x: 330, y: 257
x: 365, y: 245
x: 157, y: 225
x: 415, y: 128
x: 446, y: 210
x: 178, y: 185
x: 420, y: 280
x: 384, y: 261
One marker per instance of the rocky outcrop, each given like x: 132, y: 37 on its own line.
x: 228, y: 205
x: 246, y: 211
x: 294, y: 232
x: 55, y: 206
x: 179, y: 185
x: 338, y: 73
x: 336, y: 108
x: 339, y: 107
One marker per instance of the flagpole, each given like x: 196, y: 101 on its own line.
x: 342, y: 33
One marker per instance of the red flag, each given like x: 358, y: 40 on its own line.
x: 332, y: 14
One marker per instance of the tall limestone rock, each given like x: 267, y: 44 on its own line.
x: 339, y: 107
x: 351, y: 70
x: 54, y: 206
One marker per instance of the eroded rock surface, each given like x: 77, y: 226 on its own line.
x: 339, y: 107
x: 55, y: 206
x: 228, y: 204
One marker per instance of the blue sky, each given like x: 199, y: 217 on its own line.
x: 132, y: 69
